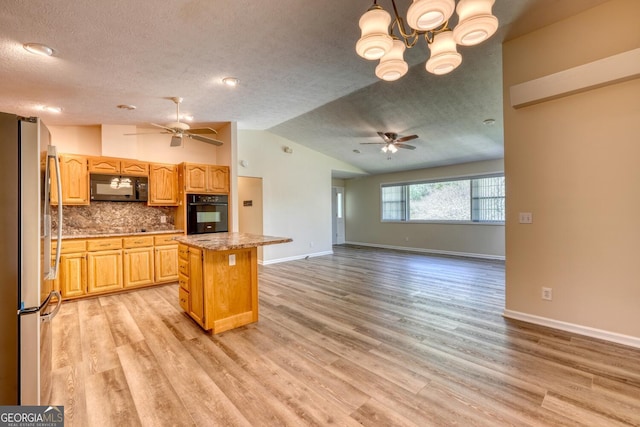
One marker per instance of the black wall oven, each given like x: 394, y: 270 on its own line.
x: 207, y: 213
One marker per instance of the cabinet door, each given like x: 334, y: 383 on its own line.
x: 166, y: 263
x: 163, y: 185
x: 218, y: 179
x: 75, y: 180
x: 195, y: 178
x: 104, y: 165
x: 138, y: 267
x: 196, y: 286
x: 73, y: 275
x: 131, y: 167
x: 104, y: 271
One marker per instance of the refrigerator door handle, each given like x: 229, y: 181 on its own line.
x: 45, y: 304
x: 51, y: 272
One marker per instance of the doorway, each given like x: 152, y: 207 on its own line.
x: 337, y: 210
x: 250, y: 207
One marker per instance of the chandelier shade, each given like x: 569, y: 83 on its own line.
x: 375, y: 40
x: 476, y: 23
x: 425, y: 15
x: 392, y: 66
x: 444, y: 55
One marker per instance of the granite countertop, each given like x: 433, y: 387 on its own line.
x: 99, y: 234
x: 230, y: 241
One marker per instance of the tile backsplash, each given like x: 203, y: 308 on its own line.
x: 114, y: 217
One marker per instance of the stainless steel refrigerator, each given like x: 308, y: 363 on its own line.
x: 27, y: 266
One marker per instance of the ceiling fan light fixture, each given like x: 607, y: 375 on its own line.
x: 476, y: 22
x: 375, y: 40
x: 444, y: 55
x: 425, y: 15
x: 392, y: 66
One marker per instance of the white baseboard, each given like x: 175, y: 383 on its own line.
x: 429, y: 251
x: 293, y: 258
x: 572, y: 327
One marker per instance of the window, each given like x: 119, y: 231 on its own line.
x: 479, y: 199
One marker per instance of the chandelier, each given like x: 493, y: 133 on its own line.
x: 428, y: 18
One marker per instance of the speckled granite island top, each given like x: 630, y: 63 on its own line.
x: 230, y: 241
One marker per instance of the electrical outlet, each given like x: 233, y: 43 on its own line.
x: 310, y: 244
x: 232, y: 259
x: 526, y: 218
x: 163, y: 219
x: 547, y: 294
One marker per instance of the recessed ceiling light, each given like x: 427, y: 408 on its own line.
x: 51, y: 109
x: 231, y: 81
x: 126, y: 107
x: 187, y: 117
x: 38, y: 49
x: 489, y: 122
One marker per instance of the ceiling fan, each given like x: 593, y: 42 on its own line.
x: 178, y: 130
x: 393, y: 141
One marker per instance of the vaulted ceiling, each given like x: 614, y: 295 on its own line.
x: 300, y: 77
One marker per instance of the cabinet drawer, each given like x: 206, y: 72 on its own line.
x: 183, y: 252
x: 183, y: 296
x: 183, y: 267
x: 183, y: 281
x: 137, y: 242
x: 165, y: 239
x: 70, y: 246
x: 104, y: 244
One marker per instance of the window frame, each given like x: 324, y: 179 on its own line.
x: 407, y: 204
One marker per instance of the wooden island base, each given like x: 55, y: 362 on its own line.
x: 218, y: 276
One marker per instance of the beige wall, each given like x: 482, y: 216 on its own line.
x: 363, y: 225
x: 574, y: 163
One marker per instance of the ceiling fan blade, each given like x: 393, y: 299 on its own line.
x: 407, y: 146
x: 205, y: 139
x: 176, y: 141
x: 364, y: 143
x: 163, y: 127
x: 201, y: 131
x: 406, y: 138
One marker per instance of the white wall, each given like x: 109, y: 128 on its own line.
x: 296, y: 192
x: 364, y: 226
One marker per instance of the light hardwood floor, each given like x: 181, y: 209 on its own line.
x: 364, y: 336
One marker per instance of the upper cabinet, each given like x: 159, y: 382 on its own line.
x: 108, y: 165
x: 204, y: 179
x: 163, y: 185
x: 74, y: 175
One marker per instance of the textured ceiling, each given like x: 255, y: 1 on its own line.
x: 299, y: 75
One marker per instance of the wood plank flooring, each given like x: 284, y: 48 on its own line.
x: 361, y: 337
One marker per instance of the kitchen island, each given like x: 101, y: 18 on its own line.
x: 218, y: 277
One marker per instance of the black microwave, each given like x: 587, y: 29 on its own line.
x: 119, y: 188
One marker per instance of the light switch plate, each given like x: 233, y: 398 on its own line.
x: 526, y: 218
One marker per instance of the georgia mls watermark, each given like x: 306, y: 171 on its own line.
x: 31, y: 416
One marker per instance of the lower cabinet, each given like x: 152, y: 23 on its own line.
x: 95, y: 266
x: 104, y: 271
x: 138, y: 267
x: 196, y: 288
x: 73, y: 275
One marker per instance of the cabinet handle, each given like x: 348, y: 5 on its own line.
x: 105, y: 244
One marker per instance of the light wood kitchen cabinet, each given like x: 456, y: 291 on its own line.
x: 104, y: 271
x: 112, y: 165
x: 73, y: 275
x: 106, y: 165
x: 166, y: 258
x: 205, y: 179
x: 74, y: 175
x: 163, y: 185
x: 133, y: 167
x: 196, y: 286
x: 138, y: 267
